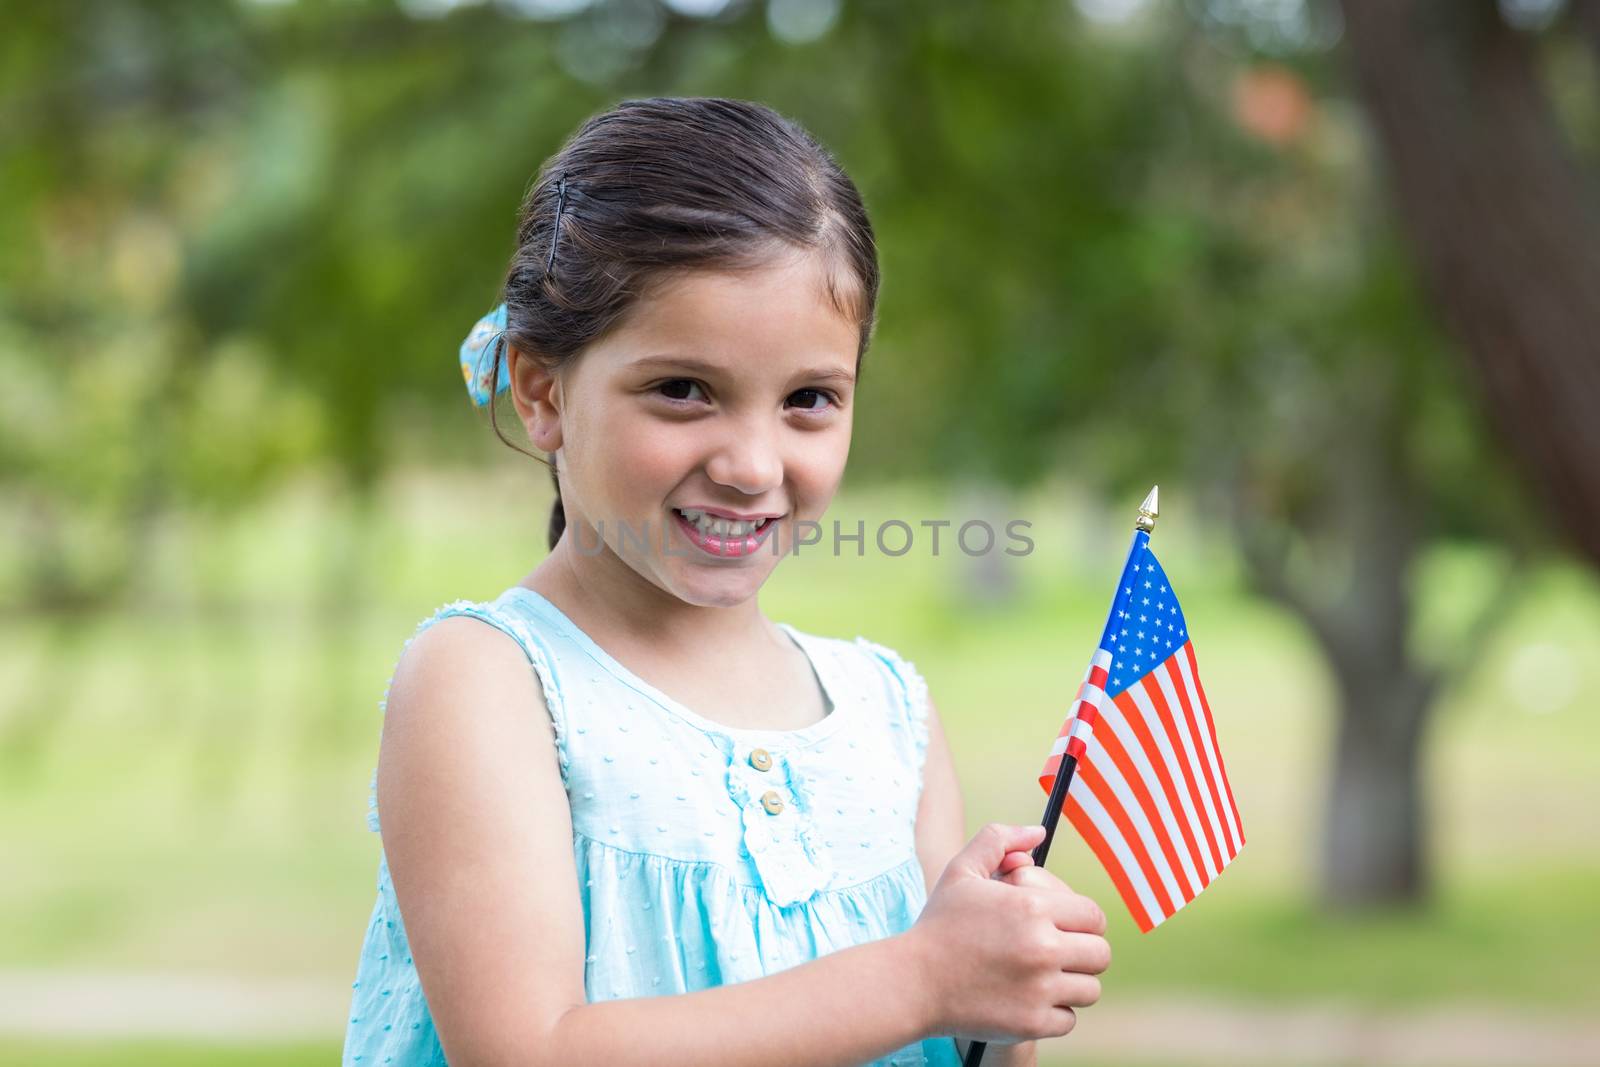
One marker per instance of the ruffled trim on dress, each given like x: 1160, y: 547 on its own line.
x: 915, y: 689
x: 530, y: 648
x: 786, y: 847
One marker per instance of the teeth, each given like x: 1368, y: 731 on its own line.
x: 719, y: 527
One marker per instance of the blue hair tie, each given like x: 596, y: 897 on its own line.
x: 478, y: 357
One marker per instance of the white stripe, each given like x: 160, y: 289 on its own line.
x: 1153, y: 721
x: 1102, y: 762
x: 1212, y: 755
x: 1082, y: 729
x: 1112, y: 716
x: 1059, y: 745
x: 1108, y: 830
x: 1201, y: 776
x: 1101, y: 658
x: 1097, y: 697
x: 1092, y: 694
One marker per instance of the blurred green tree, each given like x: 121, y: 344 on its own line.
x: 1491, y: 189
x: 241, y: 240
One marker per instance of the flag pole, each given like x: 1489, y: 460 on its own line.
x: 1146, y: 522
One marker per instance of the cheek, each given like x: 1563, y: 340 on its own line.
x: 817, y: 467
x: 648, y: 460
x: 624, y: 463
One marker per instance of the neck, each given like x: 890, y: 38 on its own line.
x: 603, y: 595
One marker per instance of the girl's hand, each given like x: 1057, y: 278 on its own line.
x: 1008, y: 949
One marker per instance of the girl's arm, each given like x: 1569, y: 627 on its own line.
x: 478, y: 837
x: 941, y: 831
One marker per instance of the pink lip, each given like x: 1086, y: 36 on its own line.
x: 724, y: 513
x: 723, y: 547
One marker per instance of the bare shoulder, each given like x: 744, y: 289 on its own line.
x: 478, y: 835
x: 461, y: 672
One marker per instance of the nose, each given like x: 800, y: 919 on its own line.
x: 747, y: 459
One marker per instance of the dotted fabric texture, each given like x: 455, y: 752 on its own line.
x: 696, y: 867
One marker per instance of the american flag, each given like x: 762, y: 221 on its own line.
x: 1151, y: 795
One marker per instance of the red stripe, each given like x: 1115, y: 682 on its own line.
x: 1047, y: 777
x: 1136, y: 844
x: 1141, y: 729
x: 1083, y: 711
x: 1205, y: 706
x: 1191, y: 724
x: 1097, y: 677
x: 1130, y: 774
x: 1108, y: 859
x: 1159, y: 702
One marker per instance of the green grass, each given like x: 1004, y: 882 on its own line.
x: 88, y: 1053
x: 183, y: 786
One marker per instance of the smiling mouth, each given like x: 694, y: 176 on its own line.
x: 723, y: 537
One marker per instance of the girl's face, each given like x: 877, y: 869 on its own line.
x: 727, y: 395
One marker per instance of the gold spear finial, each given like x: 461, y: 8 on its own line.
x: 1148, y: 511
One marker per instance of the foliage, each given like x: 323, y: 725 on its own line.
x: 243, y: 239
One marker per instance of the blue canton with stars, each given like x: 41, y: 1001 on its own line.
x: 1146, y: 624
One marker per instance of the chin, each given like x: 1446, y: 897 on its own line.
x: 708, y: 590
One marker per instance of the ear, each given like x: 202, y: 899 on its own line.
x: 536, y: 392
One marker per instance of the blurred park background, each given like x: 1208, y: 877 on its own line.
x: 1329, y: 272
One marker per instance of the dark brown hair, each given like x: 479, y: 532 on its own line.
x: 658, y: 187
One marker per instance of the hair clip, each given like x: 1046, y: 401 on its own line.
x: 555, y: 232
x: 478, y: 357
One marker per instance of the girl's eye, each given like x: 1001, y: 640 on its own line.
x: 676, y: 385
x: 680, y: 390
x: 810, y: 393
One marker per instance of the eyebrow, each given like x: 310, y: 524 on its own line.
x: 832, y: 374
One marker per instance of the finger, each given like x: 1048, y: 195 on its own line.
x: 1076, y: 913
x: 1070, y: 990
x: 1062, y: 1020
x: 1018, y: 875
x: 1085, y: 953
x: 1036, y: 878
x: 981, y: 856
x: 1013, y: 860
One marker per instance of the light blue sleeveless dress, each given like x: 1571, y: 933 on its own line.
x: 706, y: 854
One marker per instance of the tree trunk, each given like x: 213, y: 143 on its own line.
x: 989, y: 577
x: 1353, y: 590
x: 1374, y: 843
x: 1504, y: 225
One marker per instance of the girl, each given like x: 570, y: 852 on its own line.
x: 618, y: 780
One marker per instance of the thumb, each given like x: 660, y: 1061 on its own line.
x: 982, y: 856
